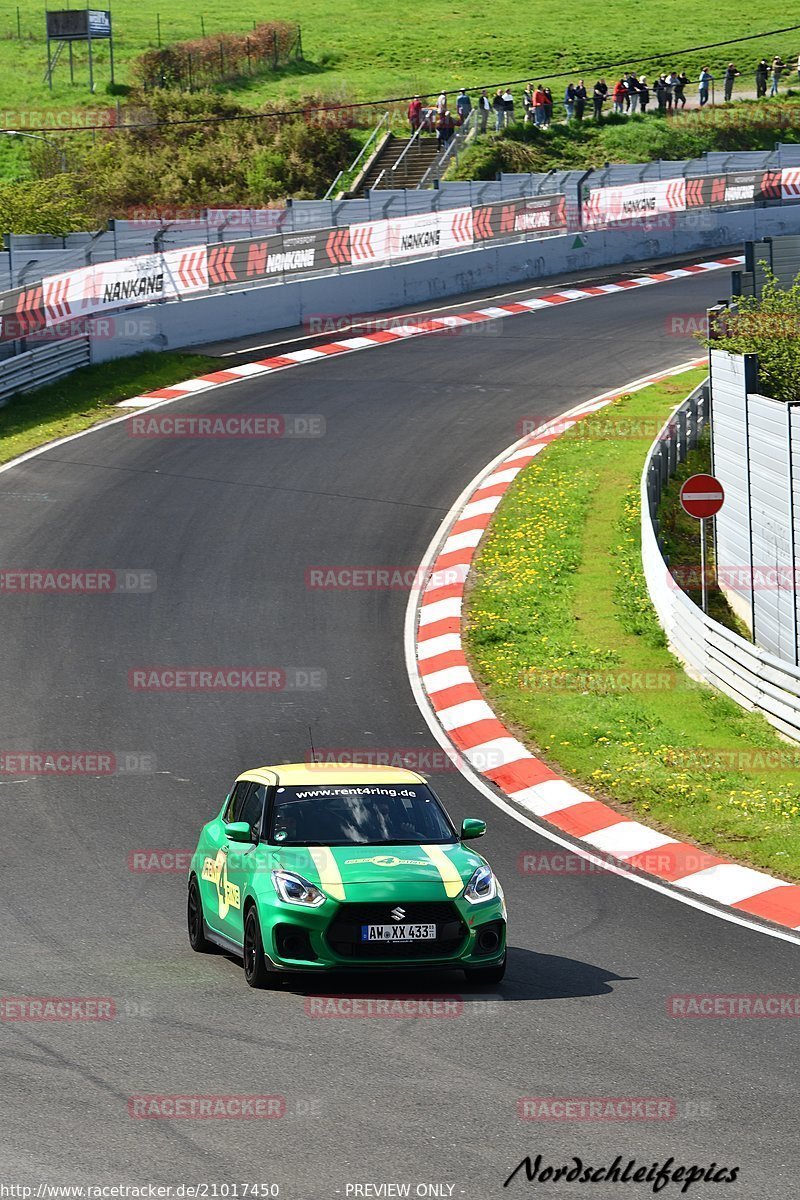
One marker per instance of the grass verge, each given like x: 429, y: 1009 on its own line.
x: 562, y: 636
x: 88, y: 396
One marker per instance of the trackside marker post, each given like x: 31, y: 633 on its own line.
x: 702, y: 496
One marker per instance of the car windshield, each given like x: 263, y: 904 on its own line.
x: 371, y: 814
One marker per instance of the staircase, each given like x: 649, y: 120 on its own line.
x: 411, y: 162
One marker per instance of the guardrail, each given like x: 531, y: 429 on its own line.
x: 755, y: 679
x: 43, y: 364
x: 760, y: 177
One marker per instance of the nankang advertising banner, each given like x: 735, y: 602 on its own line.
x: 632, y: 201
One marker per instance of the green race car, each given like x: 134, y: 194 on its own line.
x: 326, y: 867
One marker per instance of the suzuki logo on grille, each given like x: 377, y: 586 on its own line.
x: 397, y: 914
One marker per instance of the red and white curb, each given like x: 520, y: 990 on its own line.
x: 482, y: 741
x: 413, y: 327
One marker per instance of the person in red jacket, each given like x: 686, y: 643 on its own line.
x: 539, y: 107
x: 414, y: 111
x: 620, y: 92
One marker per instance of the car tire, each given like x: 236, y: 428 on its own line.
x: 195, y: 921
x: 486, y: 975
x: 256, y: 970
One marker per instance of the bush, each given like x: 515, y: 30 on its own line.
x: 223, y: 163
x: 51, y: 206
x: 768, y: 326
x: 220, y: 56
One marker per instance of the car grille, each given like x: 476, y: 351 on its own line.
x: 344, y: 931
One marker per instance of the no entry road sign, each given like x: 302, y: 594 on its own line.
x: 702, y: 496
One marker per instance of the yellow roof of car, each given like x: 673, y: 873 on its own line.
x: 309, y: 773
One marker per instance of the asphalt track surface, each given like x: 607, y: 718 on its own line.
x: 230, y: 528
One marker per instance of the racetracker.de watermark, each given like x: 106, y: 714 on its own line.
x: 738, y: 578
x: 206, y: 1107
x: 560, y: 862
x: 56, y: 118
x: 739, y: 758
x: 69, y: 581
x: 405, y: 324
x: 598, y: 429
x: 226, y: 679
x: 77, y: 762
x: 384, y: 1007
x: 171, y: 424
x: 721, y: 1005
x: 57, y: 1008
x: 596, y: 1108
x: 392, y: 577
x: 130, y: 327
x: 408, y: 758
x: 603, y: 683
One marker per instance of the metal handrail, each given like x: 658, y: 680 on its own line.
x: 406, y: 149
x: 377, y: 181
x: 383, y: 121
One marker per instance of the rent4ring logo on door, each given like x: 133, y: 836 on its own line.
x: 215, y: 870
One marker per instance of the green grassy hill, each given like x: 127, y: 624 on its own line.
x: 356, y: 51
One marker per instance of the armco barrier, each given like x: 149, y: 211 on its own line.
x: 752, y: 677
x: 190, y: 270
x: 176, y: 274
x: 34, y: 368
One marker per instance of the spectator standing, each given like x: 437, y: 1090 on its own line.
x: 681, y: 80
x: 644, y: 93
x: 660, y: 89
x: 706, y: 79
x: 445, y: 128
x: 527, y: 103
x: 414, y: 113
x: 598, y: 98
x: 484, y: 108
x: 632, y: 84
x: 620, y: 91
x: 508, y: 107
x: 569, y: 101
x: 798, y: 68
x: 762, y: 74
x: 548, y: 105
x: 730, y: 75
x: 497, y: 105
x: 539, y: 101
x: 671, y: 81
x: 441, y: 103
x: 775, y: 74
x: 581, y: 96
x: 463, y: 105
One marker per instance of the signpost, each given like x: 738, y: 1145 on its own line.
x: 702, y: 496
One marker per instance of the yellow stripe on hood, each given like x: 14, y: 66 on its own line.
x: 330, y: 878
x: 451, y: 877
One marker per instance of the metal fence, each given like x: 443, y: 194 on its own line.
x: 28, y: 259
x: 44, y: 364
x: 754, y: 678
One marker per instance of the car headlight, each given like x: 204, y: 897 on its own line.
x: 482, y: 886
x: 296, y: 890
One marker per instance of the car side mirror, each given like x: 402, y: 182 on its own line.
x: 238, y: 831
x: 471, y: 827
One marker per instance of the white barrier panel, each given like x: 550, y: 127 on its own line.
x: 404, y: 237
x: 139, y: 280
x: 634, y: 200
x: 752, y: 677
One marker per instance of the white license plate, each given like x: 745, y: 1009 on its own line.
x: 397, y: 933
